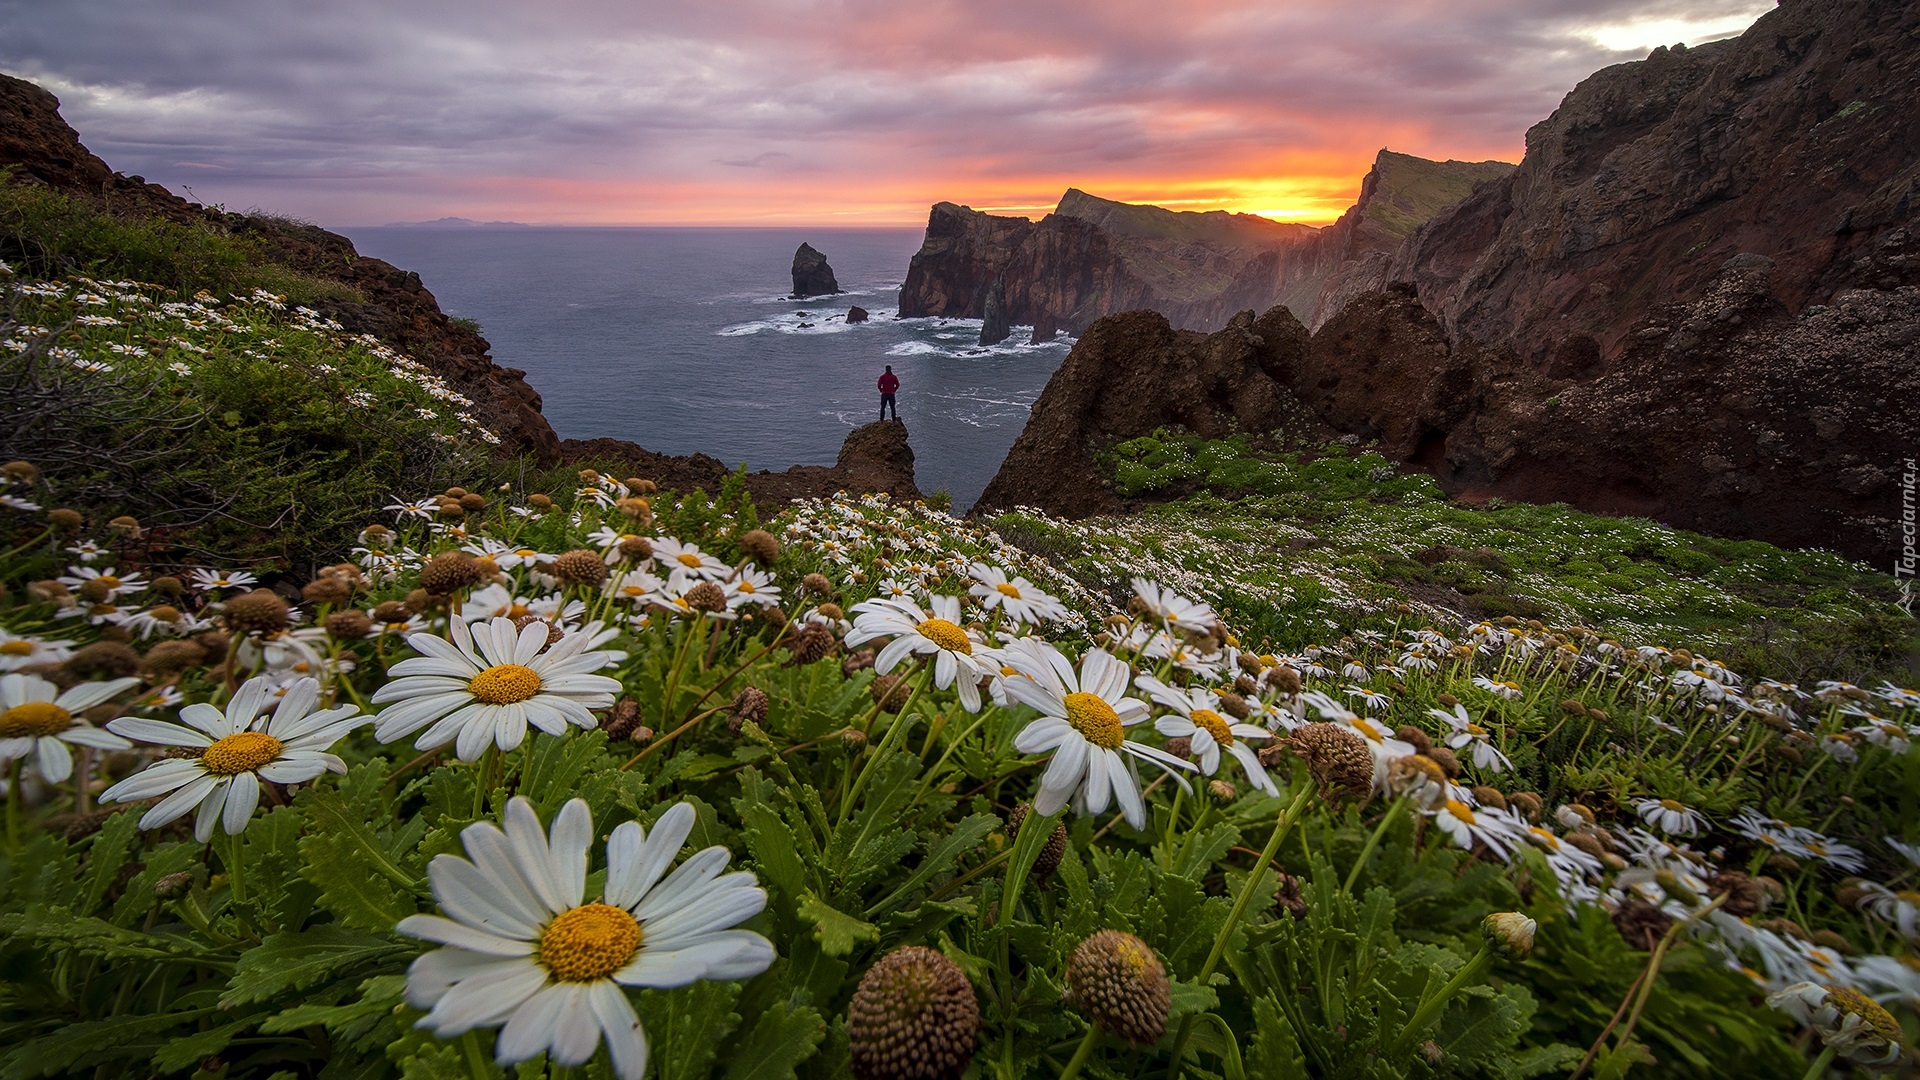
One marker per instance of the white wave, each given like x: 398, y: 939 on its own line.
x: 812, y: 322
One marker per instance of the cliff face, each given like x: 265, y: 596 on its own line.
x: 397, y: 308
x: 1093, y: 257
x: 1697, y: 299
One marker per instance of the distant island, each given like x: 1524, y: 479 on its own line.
x: 456, y: 223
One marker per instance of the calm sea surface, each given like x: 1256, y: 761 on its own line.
x: 682, y: 340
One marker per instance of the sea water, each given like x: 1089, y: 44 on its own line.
x: 684, y: 340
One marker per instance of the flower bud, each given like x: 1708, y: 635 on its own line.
x: 1510, y: 932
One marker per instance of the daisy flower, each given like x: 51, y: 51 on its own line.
x: 752, y: 586
x: 1084, y: 724
x: 1670, y: 816
x: 1199, y: 720
x: 1507, y: 690
x: 673, y: 554
x: 1465, y: 824
x: 234, y: 752
x: 1171, y: 609
x: 1022, y: 600
x: 915, y: 631
x: 524, y: 952
x: 116, y: 583
x: 1466, y: 733
x: 488, y: 683
x: 37, y: 718
x: 17, y: 651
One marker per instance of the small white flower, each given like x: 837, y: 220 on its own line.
x: 236, y: 752
x: 37, y: 717
x: 526, y: 953
x: 491, y: 681
x: 915, y: 631
x: 1085, y: 722
x: 1670, y: 816
x: 1199, y: 720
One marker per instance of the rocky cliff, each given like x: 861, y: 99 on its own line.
x: 1094, y: 257
x: 1696, y: 299
x: 811, y: 274
x: 397, y: 308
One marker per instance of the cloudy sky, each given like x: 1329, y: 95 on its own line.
x: 811, y: 112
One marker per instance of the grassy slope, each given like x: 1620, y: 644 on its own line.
x: 1297, y: 545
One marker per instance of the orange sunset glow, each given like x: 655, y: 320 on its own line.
x: 757, y: 112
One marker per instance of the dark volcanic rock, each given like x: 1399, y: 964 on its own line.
x: 1697, y: 299
x: 811, y: 274
x: 993, y: 321
x: 1131, y: 373
x: 856, y: 315
x: 1093, y: 257
x: 397, y: 308
x: 874, y: 458
x: 1045, y: 329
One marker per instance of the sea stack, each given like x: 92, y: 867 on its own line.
x: 993, y: 325
x: 811, y: 274
x: 856, y: 314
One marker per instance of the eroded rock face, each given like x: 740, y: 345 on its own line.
x: 1093, y: 257
x: 874, y: 457
x: 811, y: 274
x: 1697, y: 300
x: 397, y: 308
x: 1132, y: 373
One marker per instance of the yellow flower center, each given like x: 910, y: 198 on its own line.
x: 1670, y: 804
x: 946, y: 635
x: 1476, y: 729
x: 504, y: 684
x: 33, y: 720
x: 1007, y: 589
x: 516, y: 611
x: 589, y: 943
x: 745, y: 586
x: 1095, y: 720
x: 1213, y: 724
x: 109, y: 581
x: 688, y: 560
x: 1854, y: 1003
x: 16, y: 648
x: 525, y: 553
x: 241, y: 752
x: 1460, y: 810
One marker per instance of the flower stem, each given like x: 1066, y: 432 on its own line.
x: 1281, y: 825
x: 476, y: 1058
x: 14, y: 810
x: 482, y: 769
x: 1081, y: 1054
x: 1820, y: 1063
x: 1429, y: 1009
x: 1380, y: 830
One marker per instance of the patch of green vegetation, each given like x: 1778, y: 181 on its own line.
x: 1295, y: 542
x: 239, y: 427
x: 53, y: 234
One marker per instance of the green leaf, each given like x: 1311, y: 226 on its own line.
x: 687, y: 1027
x: 97, y: 1040
x: 190, y: 1049
x: 558, y: 764
x: 377, y: 999
x: 294, y: 961
x: 781, y: 1039
x: 964, y: 838
x: 775, y: 853
x: 836, y: 931
x: 1187, y: 997
x: 97, y: 937
x: 105, y: 856
x: 1275, y: 1053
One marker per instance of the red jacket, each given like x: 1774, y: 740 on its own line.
x: 888, y: 383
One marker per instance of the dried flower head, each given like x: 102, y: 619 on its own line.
x: 1339, y: 761
x: 1421, y: 742
x: 749, y: 707
x: 326, y: 590
x: 760, y: 546
x: 1118, y: 982
x: 914, y: 1017
x: 581, y: 567
x: 449, y: 572
x: 1051, y: 852
x: 349, y: 625
x: 171, y: 658
x: 812, y: 643
x: 258, y: 612
x: 635, y: 548
x: 1640, y: 923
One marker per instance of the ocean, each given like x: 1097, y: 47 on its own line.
x: 683, y: 340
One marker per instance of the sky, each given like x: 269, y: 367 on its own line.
x: 809, y: 112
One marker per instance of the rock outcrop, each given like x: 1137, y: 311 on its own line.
x: 811, y: 274
x: 397, y: 308
x: 1094, y: 257
x: 1697, y: 299
x: 856, y: 315
x: 874, y: 457
x: 993, y: 319
x: 1133, y: 372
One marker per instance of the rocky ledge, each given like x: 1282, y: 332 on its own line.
x: 874, y: 457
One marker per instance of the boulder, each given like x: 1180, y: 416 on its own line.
x: 811, y: 274
x: 874, y: 458
x: 856, y: 315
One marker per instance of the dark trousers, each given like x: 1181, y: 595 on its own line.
x: 886, y: 402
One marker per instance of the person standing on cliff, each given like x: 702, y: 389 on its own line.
x: 889, y: 382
